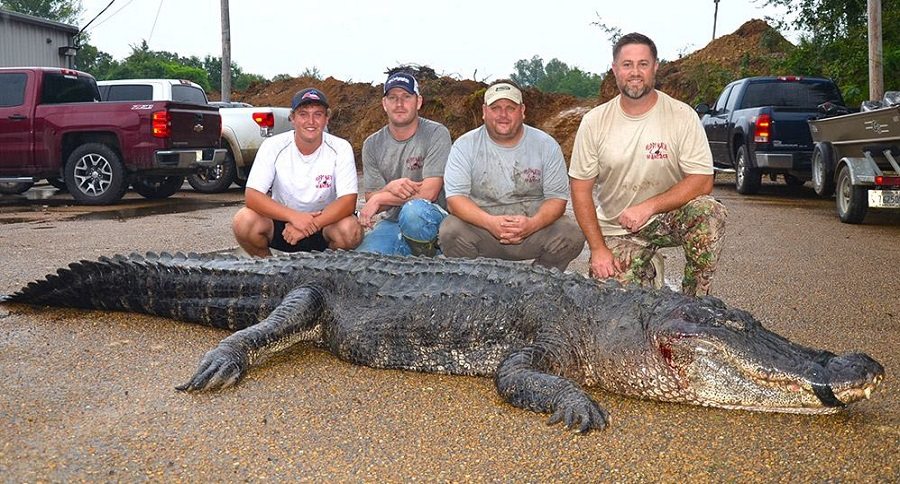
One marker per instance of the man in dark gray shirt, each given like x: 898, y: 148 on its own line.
x: 403, y: 175
x: 507, y: 189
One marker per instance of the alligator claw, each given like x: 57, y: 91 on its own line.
x: 583, y: 412
x: 219, y: 368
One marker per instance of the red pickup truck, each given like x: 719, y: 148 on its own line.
x: 53, y: 126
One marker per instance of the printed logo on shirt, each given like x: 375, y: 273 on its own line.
x: 324, y: 181
x: 414, y: 163
x: 532, y: 175
x: 657, y: 151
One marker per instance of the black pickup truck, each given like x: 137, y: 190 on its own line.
x: 758, y: 126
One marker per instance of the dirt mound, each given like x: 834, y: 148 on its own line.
x: 699, y: 76
x: 357, y: 113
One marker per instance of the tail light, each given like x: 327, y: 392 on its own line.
x: 763, y: 125
x: 266, y: 122
x: 887, y: 180
x: 160, y: 124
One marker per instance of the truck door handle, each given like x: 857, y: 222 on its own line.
x: 17, y: 117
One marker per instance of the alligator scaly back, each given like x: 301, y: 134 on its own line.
x: 543, y: 335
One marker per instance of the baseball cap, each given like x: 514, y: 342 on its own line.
x: 502, y: 91
x: 309, y: 95
x: 402, y: 80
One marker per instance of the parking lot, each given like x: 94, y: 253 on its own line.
x: 88, y: 395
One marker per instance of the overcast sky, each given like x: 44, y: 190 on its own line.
x: 358, y: 40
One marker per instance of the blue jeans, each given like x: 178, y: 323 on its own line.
x: 414, y: 233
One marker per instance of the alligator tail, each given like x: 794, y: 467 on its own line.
x: 152, y: 285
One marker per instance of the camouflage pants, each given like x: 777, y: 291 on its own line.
x: 698, y: 227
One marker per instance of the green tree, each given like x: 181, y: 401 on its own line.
x: 529, y: 72
x: 64, y: 11
x: 834, y: 42
x: 557, y: 77
x: 146, y: 63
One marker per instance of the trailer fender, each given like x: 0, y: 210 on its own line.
x: 862, y: 171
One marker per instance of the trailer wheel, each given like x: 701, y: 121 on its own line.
x: 822, y: 173
x: 851, y: 201
x: 154, y: 187
x: 95, y: 175
x: 747, y: 179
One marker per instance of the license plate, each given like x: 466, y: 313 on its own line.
x: 884, y: 198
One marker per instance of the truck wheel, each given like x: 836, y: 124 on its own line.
x: 852, y: 201
x: 13, y: 188
x: 216, y: 179
x: 822, y: 174
x: 747, y: 179
x: 154, y: 187
x: 95, y: 175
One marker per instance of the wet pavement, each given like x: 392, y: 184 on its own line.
x: 88, y: 395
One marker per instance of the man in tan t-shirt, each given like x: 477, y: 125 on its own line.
x: 650, y: 157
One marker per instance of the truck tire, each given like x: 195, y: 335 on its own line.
x: 747, y: 179
x: 13, y: 188
x: 851, y: 201
x: 154, y: 187
x: 95, y: 175
x: 216, y: 179
x: 822, y: 171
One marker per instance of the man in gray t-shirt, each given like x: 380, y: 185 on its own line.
x: 403, y: 175
x: 507, y: 189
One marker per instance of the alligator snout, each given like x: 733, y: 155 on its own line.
x: 852, y: 377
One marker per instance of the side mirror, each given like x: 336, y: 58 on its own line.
x: 703, y: 109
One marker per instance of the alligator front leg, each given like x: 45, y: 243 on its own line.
x: 522, y: 381
x: 293, y: 321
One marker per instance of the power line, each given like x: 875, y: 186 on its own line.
x: 95, y: 17
x: 113, y: 14
x: 159, y: 9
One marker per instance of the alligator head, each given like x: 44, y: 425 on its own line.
x: 707, y: 354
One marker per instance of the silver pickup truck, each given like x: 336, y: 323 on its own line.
x: 244, y: 127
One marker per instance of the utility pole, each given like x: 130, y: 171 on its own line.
x: 226, y: 53
x: 876, y: 66
x: 715, y: 16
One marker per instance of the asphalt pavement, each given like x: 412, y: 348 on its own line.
x: 89, y: 395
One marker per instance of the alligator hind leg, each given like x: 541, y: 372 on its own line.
x: 522, y: 381
x: 294, y: 320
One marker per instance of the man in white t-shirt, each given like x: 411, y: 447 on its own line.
x: 301, y: 192
x: 650, y: 157
x: 507, y: 190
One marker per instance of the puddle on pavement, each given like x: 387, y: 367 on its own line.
x: 25, y: 206
x: 162, y: 209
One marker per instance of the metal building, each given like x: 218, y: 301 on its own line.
x: 33, y: 41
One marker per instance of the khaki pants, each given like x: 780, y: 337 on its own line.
x: 553, y: 246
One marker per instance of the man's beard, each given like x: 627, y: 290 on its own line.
x: 636, y: 92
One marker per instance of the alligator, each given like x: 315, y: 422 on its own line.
x: 543, y: 335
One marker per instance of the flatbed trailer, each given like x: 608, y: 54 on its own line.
x: 856, y: 159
